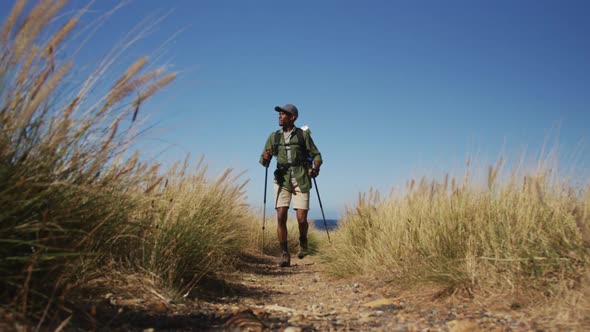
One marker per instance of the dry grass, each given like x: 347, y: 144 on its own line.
x: 76, y: 204
x: 196, y: 226
x: 520, y: 238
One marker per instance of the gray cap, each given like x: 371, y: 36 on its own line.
x: 288, y: 108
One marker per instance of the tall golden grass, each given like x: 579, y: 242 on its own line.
x: 521, y: 234
x: 76, y: 203
x: 196, y: 226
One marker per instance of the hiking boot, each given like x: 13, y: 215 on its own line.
x: 303, y: 250
x: 285, y: 260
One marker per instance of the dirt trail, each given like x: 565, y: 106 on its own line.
x: 260, y: 296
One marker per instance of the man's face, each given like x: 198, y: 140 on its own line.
x: 286, y: 119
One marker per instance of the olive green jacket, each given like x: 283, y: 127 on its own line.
x: 300, y: 172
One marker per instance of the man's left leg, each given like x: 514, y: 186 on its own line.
x: 301, y: 206
x: 303, y: 227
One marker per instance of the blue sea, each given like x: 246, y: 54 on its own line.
x: 331, y: 223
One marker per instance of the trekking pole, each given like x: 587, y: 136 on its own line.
x: 322, y: 208
x: 264, y: 210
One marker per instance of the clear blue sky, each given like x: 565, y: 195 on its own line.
x: 391, y: 89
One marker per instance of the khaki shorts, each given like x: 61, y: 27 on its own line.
x: 300, y: 200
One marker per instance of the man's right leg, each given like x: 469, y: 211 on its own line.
x: 282, y: 214
x: 283, y: 200
x: 282, y: 224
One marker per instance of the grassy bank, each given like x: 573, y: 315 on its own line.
x: 523, y: 237
x: 77, y: 205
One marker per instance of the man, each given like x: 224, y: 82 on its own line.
x: 293, y: 148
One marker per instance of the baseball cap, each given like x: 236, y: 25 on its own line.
x: 289, y: 108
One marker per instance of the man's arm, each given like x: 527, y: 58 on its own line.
x: 315, y: 155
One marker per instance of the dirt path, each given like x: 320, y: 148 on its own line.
x: 260, y: 296
x: 300, y: 298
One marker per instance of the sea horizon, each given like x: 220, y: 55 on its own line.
x: 331, y: 223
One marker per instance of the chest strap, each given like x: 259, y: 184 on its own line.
x: 287, y: 165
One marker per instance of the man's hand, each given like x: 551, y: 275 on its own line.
x: 313, y: 172
x: 266, y: 156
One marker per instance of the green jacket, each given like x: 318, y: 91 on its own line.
x: 300, y: 172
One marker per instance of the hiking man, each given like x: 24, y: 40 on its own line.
x: 293, y: 148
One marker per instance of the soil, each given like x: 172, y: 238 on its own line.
x: 260, y: 296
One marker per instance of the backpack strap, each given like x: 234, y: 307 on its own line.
x: 275, y: 147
